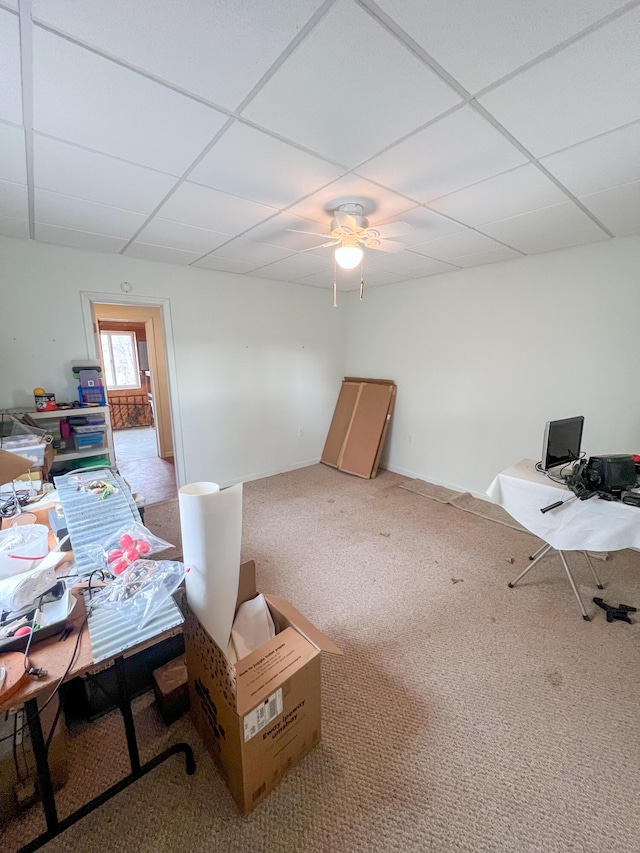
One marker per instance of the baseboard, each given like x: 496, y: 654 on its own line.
x: 247, y: 478
x: 414, y: 475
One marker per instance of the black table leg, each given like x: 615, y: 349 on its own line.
x: 40, y: 753
x: 55, y: 826
x: 124, y: 701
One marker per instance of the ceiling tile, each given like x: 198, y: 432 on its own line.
x: 586, y: 89
x: 606, y: 161
x: 506, y: 34
x: 336, y: 100
x: 213, y: 262
x: 83, y: 98
x: 617, y: 207
x: 456, y: 246
x: 552, y: 227
x: 174, y: 235
x: 441, y: 159
x: 13, y: 159
x: 164, y: 254
x: 14, y: 200
x: 197, y: 47
x: 74, y: 171
x: 207, y: 208
x: 425, y: 225
x: 76, y: 214
x: 78, y: 239
x: 296, y: 266
x: 254, y: 165
x: 490, y: 256
x: 11, y: 227
x: 405, y: 263
x: 10, y: 75
x: 281, y: 230
x: 522, y: 189
x: 252, y: 252
x: 378, y: 203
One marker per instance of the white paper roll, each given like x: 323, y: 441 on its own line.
x: 211, y: 522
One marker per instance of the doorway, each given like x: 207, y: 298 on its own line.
x: 130, y: 346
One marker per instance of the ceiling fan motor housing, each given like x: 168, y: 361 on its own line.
x: 355, y: 212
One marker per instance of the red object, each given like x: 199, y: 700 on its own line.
x: 131, y: 555
x: 114, y: 555
x: 22, y: 632
x: 143, y: 546
x: 636, y: 458
x: 126, y: 541
x: 118, y: 567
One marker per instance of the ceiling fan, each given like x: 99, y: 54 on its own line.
x: 350, y: 232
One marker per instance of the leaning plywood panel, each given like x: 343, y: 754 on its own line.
x: 341, y: 422
x: 359, y: 425
x: 360, y: 453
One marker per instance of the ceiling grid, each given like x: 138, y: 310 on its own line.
x: 493, y: 129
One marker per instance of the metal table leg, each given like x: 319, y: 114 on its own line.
x: 540, y: 553
x: 537, y: 556
x: 585, y: 616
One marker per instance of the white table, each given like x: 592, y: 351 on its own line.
x: 591, y: 525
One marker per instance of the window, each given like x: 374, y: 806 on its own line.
x: 120, y: 358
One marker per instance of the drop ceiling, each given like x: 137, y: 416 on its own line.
x: 207, y: 133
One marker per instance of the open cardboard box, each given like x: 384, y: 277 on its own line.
x: 260, y: 716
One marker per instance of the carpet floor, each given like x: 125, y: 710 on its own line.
x: 465, y: 717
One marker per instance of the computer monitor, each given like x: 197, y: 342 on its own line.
x: 562, y: 440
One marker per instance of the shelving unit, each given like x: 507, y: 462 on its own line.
x: 107, y: 448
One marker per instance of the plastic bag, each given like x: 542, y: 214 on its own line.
x: 131, y: 542
x: 140, y: 590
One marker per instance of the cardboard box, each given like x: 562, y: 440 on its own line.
x: 171, y: 688
x: 261, y: 716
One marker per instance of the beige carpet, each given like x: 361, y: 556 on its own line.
x: 464, y: 718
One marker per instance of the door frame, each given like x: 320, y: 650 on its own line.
x: 88, y: 298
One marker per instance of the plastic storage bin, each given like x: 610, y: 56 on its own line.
x: 88, y: 440
x: 29, y: 447
x: 22, y: 547
x: 92, y: 394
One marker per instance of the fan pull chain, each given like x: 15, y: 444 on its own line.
x: 362, y: 277
x: 335, y: 284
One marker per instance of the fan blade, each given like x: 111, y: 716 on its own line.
x: 321, y: 246
x: 345, y: 220
x: 388, y: 246
x: 312, y: 233
x: 393, y: 229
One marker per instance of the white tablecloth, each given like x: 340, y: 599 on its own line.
x: 591, y: 525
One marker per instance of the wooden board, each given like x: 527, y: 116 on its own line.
x: 340, y: 423
x: 359, y: 425
x: 16, y: 674
x: 360, y: 451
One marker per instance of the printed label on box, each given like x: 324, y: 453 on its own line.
x: 257, y: 719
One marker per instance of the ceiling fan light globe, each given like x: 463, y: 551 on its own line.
x: 348, y: 257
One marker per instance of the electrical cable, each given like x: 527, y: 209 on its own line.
x: 59, y: 684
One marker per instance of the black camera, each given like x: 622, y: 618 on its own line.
x: 611, y: 473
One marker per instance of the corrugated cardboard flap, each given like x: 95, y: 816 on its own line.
x: 267, y: 668
x: 302, y: 625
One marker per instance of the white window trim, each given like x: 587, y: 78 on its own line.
x: 134, y: 347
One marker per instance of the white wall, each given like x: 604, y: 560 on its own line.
x: 255, y: 360
x: 484, y: 357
